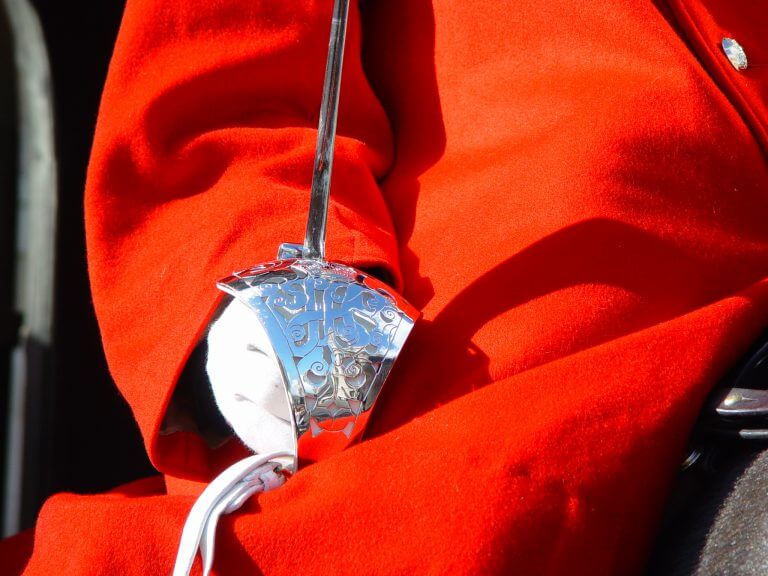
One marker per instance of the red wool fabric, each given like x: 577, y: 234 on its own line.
x: 573, y: 193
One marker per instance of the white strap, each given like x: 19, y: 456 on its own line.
x: 224, y: 495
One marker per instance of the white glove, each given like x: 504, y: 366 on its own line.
x: 246, y: 381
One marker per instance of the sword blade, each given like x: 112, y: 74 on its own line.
x: 314, y: 240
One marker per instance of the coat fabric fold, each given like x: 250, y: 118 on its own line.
x: 573, y: 194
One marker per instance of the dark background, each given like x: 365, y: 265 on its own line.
x: 90, y: 441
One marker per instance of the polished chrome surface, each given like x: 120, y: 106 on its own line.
x: 336, y: 333
x: 289, y: 250
x: 744, y: 403
x: 314, y: 240
x: 735, y: 53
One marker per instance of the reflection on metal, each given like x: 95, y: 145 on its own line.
x: 744, y: 403
x: 314, y: 240
x: 336, y: 331
x: 740, y: 412
x: 35, y: 249
x: 735, y: 54
x: 738, y: 407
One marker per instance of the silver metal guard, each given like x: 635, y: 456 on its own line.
x: 336, y: 332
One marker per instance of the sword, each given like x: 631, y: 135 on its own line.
x: 335, y: 330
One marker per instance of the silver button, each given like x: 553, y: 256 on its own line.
x: 735, y: 53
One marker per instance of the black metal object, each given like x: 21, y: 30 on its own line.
x: 9, y: 320
x: 729, y: 442
x: 739, y: 407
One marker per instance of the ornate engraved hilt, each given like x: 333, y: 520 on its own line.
x: 335, y: 331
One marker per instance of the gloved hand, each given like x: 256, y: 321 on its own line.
x: 246, y: 381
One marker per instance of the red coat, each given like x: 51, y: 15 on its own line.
x: 575, y: 194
